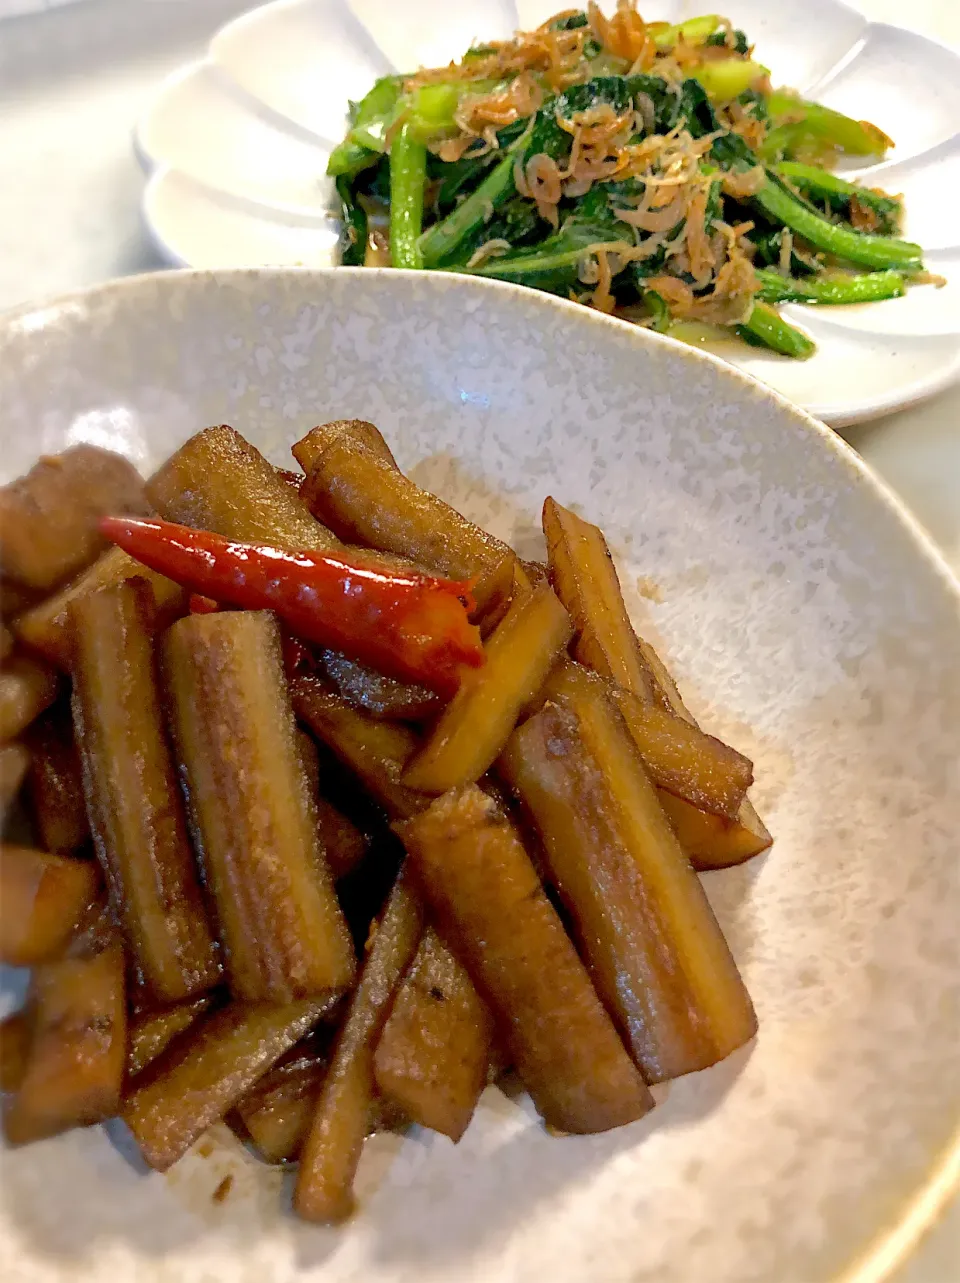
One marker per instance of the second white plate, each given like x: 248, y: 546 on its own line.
x: 237, y: 145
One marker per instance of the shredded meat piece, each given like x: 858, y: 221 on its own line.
x: 727, y: 303
x: 745, y: 183
x: 646, y: 219
x: 625, y: 35
x: 786, y: 251
x: 494, y: 248
x: 602, y: 298
x: 862, y: 216
x: 555, y: 55
x: 699, y: 249
x: 599, y: 147
x: 521, y: 98
x: 740, y: 119
x: 540, y: 181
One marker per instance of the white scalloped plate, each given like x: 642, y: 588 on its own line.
x: 808, y: 621
x: 238, y: 144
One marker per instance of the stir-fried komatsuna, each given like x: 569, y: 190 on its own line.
x: 642, y: 168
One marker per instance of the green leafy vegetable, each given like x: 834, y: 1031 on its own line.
x: 856, y: 137
x: 869, y: 287
x: 608, y: 136
x: 353, y: 240
x: 836, y: 194
x: 766, y: 328
x: 695, y: 31
x: 735, y: 40
x: 408, y: 172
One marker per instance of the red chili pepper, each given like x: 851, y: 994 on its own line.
x: 410, y: 626
x: 199, y: 605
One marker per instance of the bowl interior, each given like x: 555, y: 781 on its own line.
x: 806, y: 621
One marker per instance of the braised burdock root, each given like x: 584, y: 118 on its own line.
x: 277, y: 1112
x: 219, y: 482
x: 585, y: 579
x: 679, y: 757
x: 376, y: 751
x: 365, y: 500
x: 433, y: 1056
x: 152, y: 1032
x: 202, y: 1076
x: 642, y: 920
x: 254, y: 821
x: 48, y: 519
x: 342, y: 843
x: 46, y: 626
x: 345, y: 1107
x: 14, y: 763
x: 55, y: 783
x: 133, y: 802
x: 371, y: 824
x: 472, y: 867
x: 42, y: 899
x: 14, y: 1049
x: 27, y: 689
x: 356, y: 431
x: 475, y: 725
x: 77, y: 1047
x: 712, y: 833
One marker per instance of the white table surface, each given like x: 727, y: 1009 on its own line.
x: 73, y: 80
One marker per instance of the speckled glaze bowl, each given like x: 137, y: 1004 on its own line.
x: 806, y: 619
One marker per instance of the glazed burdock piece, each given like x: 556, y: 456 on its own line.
x: 712, y: 841
x: 679, y: 757
x: 640, y: 916
x: 48, y: 518
x: 27, y: 688
x: 343, y: 844
x: 375, y: 751
x: 683, y: 760
x: 218, y: 481
x: 453, y: 1043
x: 73, y: 1076
x: 7, y: 642
x: 46, y: 627
x: 585, y: 579
x: 151, y: 1032
x: 204, y: 1073
x: 14, y: 597
x: 352, y: 431
x: 376, y: 693
x: 433, y: 1056
x: 366, y: 501
x: 346, y: 1108
x: 292, y: 480
x: 475, y: 725
x: 42, y: 900
x: 253, y: 817
x: 133, y: 799
x: 471, y: 866
x: 14, y: 1049
x: 55, y: 783
x: 14, y: 763
x: 709, y: 839
x: 276, y: 1113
